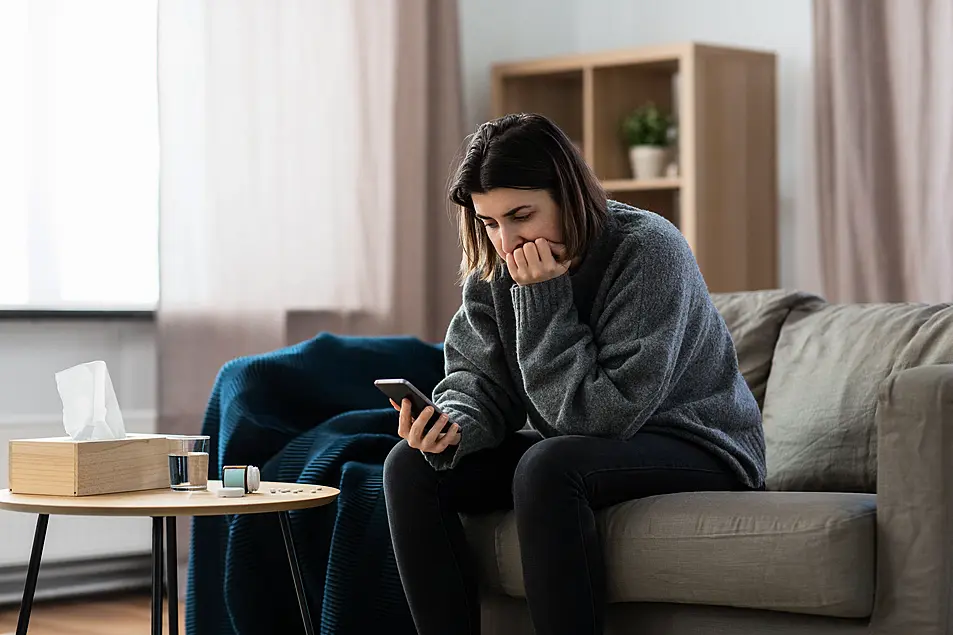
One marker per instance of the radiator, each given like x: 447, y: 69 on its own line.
x: 65, y: 579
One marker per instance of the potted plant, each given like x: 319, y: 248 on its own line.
x: 646, y: 132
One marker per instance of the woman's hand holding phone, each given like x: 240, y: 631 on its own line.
x: 435, y: 440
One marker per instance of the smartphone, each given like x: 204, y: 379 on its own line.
x: 400, y: 389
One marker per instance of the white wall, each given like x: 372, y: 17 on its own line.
x: 30, y: 353
x: 497, y: 30
x: 500, y: 30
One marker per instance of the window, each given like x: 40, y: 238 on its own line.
x: 79, y: 155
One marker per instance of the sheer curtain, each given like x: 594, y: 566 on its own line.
x: 305, y: 146
x: 884, y: 106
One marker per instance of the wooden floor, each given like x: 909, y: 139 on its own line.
x: 113, y: 615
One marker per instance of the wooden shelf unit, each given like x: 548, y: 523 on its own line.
x: 724, y: 199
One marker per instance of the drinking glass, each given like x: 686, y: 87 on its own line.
x: 188, y: 462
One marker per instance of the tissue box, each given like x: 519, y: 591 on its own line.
x: 61, y: 466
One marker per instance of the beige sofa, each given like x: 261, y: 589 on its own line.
x: 855, y: 534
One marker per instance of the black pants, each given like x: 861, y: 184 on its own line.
x: 554, y: 485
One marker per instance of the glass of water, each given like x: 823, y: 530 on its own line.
x: 188, y: 462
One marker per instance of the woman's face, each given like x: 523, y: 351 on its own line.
x: 513, y: 217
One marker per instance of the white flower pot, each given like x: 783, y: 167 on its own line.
x: 648, y: 162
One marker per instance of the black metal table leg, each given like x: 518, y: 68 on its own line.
x: 29, y: 589
x: 172, y: 575
x: 285, y: 519
x: 156, y: 576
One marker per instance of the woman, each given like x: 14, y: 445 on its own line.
x: 586, y: 366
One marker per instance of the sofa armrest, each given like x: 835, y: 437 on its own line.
x: 915, y: 502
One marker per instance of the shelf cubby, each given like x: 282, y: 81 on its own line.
x: 617, y: 91
x: 557, y: 95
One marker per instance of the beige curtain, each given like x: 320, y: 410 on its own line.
x: 305, y: 149
x: 884, y: 106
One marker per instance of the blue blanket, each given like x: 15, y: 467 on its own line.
x: 308, y: 413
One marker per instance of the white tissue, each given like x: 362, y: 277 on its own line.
x: 90, y: 408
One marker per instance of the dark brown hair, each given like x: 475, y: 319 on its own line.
x: 525, y: 151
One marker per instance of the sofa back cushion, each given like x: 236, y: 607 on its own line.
x: 828, y: 366
x: 754, y: 319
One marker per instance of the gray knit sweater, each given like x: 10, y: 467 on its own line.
x: 628, y: 341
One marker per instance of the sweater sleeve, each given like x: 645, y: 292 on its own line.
x: 477, y: 392
x: 608, y: 380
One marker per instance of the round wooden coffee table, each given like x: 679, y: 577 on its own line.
x: 167, y: 504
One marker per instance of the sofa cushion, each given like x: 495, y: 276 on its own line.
x: 821, y: 396
x: 807, y: 553
x: 754, y: 319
